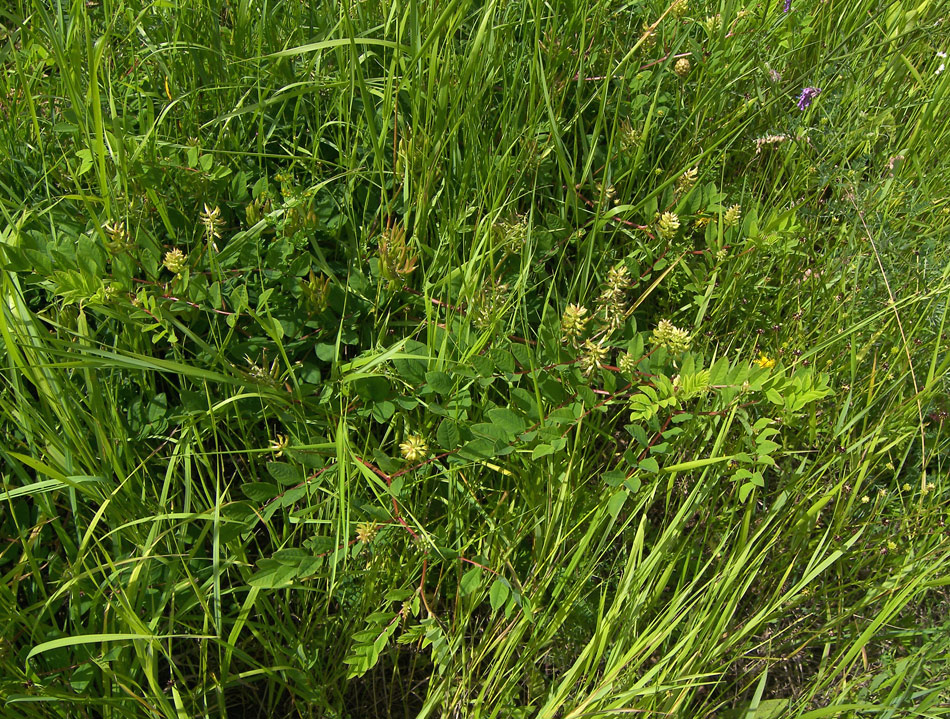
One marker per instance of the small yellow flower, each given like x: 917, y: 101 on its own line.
x: 628, y: 363
x: 212, y: 221
x: 175, y: 260
x: 574, y: 320
x: 618, y: 278
x: 765, y: 362
x: 629, y: 136
x: 119, y: 240
x: 366, y: 532
x: 668, y: 224
x: 594, y: 356
x: 666, y: 334
x: 414, y: 448
x: 279, y: 444
x: 732, y: 216
x: 685, y: 181
x: 865, y: 499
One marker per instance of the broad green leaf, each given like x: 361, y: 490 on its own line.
x: 649, y: 465
x: 440, y: 382
x: 470, y: 581
x: 284, y: 473
x: 615, y: 503
x: 508, y: 420
x: 448, y: 435
x: 260, y: 491
x: 541, y: 450
x: 272, y: 574
x: 498, y: 594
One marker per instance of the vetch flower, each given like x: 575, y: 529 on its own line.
x: 212, y: 221
x: 279, y: 444
x: 397, y: 260
x: 686, y: 181
x: 629, y: 136
x: 732, y: 216
x: 628, y: 363
x: 805, y: 99
x: 414, y: 448
x: 118, y: 241
x: 594, y: 356
x: 668, y: 225
x: 713, y: 23
x: 673, y: 338
x: 574, y: 320
x: 788, y: 5
x: 618, y: 279
x: 366, y: 531
x: 175, y: 260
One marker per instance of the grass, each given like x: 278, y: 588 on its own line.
x: 506, y: 359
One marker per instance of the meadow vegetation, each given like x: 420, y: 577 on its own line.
x: 505, y: 359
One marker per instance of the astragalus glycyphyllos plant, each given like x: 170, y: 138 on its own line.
x: 507, y: 359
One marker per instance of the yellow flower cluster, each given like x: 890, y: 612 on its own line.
x: 673, y: 338
x: 366, y: 532
x: 593, y: 357
x: 732, y: 216
x: 574, y: 320
x: 667, y: 226
x: 175, y: 260
x: 414, y: 448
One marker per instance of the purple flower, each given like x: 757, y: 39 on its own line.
x: 788, y: 5
x: 808, y: 94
